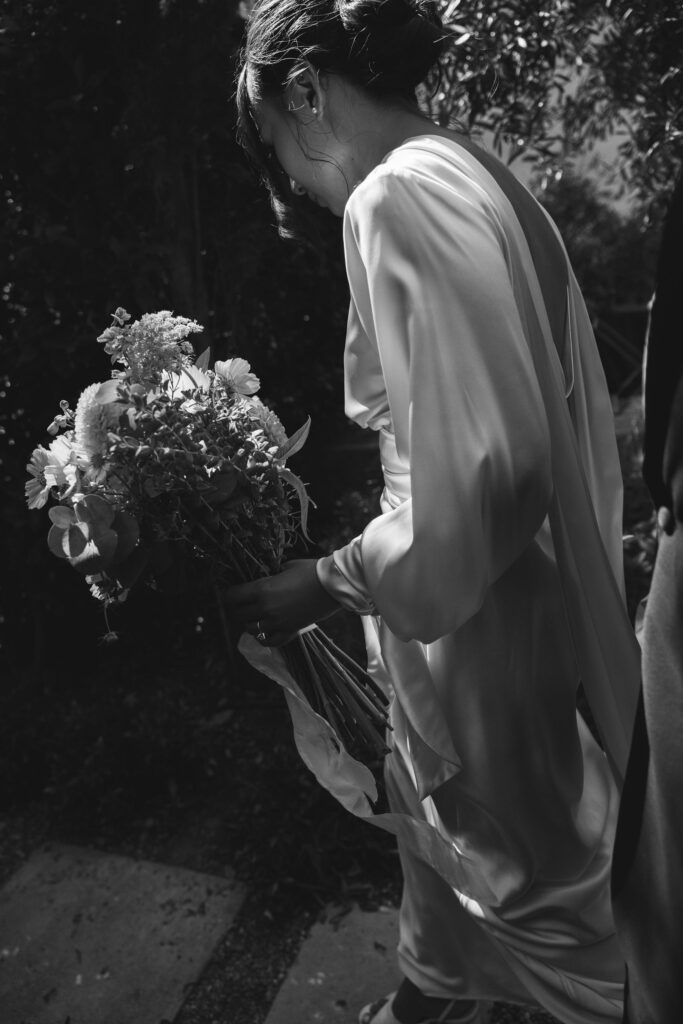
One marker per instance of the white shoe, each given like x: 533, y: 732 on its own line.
x: 379, y: 1012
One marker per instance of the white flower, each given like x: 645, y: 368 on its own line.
x: 191, y: 406
x: 90, y: 427
x: 55, y: 467
x: 62, y: 451
x: 237, y: 375
x: 37, y: 488
x: 188, y: 378
x: 61, y: 470
x: 268, y: 420
x: 108, y: 392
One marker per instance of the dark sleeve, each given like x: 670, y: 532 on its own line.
x: 672, y: 468
x: 664, y: 357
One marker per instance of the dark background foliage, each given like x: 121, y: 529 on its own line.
x: 122, y: 184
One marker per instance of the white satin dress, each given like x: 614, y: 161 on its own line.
x: 490, y: 582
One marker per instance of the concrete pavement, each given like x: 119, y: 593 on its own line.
x: 95, y: 938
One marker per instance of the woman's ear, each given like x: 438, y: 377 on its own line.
x: 304, y: 94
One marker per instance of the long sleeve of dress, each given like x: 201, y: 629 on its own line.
x: 433, y: 296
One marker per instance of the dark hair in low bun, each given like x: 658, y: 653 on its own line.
x: 397, y: 41
x: 385, y: 46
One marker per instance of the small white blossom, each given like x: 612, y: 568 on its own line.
x: 150, y: 345
x: 90, y: 428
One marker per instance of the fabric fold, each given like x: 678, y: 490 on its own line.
x: 410, y: 551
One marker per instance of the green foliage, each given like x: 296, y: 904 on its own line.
x: 613, y: 255
x: 549, y: 78
x: 614, y: 259
x: 633, y: 86
x: 122, y: 180
x: 640, y: 521
x: 509, y: 68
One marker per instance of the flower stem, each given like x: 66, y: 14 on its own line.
x: 359, y: 709
x: 351, y: 664
x: 375, y: 710
x: 330, y: 712
x: 225, y: 627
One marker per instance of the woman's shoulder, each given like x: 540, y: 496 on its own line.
x: 428, y: 177
x: 423, y: 168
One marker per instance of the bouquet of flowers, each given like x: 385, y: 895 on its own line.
x: 170, y: 463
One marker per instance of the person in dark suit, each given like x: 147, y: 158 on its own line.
x: 647, y: 874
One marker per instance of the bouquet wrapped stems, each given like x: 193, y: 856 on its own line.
x: 336, y: 687
x: 340, y: 691
x: 172, y: 473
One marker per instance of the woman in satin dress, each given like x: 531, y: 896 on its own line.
x: 490, y: 582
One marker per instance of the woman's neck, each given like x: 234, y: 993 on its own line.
x: 371, y: 127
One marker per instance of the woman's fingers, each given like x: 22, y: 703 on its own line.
x: 276, y: 639
x: 244, y: 614
x: 241, y: 594
x: 274, y: 608
x: 244, y: 603
x: 268, y: 637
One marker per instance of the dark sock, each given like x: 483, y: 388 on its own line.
x: 410, y: 1006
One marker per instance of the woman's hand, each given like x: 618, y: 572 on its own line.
x: 274, y: 609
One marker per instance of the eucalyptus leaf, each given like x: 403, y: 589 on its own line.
x: 95, y: 510
x: 74, y: 541
x: 62, y: 516
x: 54, y: 541
x: 296, y: 442
x: 97, y: 554
x: 204, y: 359
x: 304, y: 501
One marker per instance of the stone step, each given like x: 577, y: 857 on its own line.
x: 342, y: 965
x: 96, y: 938
x: 347, y: 962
